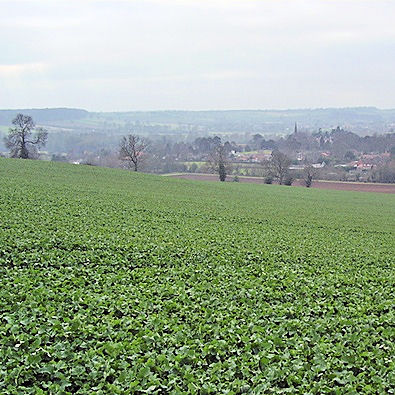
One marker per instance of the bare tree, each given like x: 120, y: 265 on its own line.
x: 131, y: 150
x: 218, y: 162
x: 309, y: 172
x: 24, y: 138
x: 277, y: 166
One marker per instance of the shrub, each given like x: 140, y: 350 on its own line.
x: 288, y: 180
x: 222, y: 172
x: 193, y: 167
x: 268, y: 180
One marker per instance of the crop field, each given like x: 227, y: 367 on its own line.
x: 120, y: 283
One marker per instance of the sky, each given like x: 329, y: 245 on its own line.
x: 108, y: 55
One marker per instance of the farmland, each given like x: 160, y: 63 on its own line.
x: 335, y: 185
x: 116, y: 282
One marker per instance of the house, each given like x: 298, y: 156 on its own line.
x: 363, y: 165
x: 318, y: 165
x: 254, y: 157
x: 301, y: 167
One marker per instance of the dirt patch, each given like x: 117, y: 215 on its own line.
x: 336, y: 185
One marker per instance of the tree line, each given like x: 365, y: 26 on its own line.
x: 24, y: 140
x: 132, y: 149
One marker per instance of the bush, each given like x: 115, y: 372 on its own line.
x: 193, y: 167
x: 222, y: 172
x: 268, y: 180
x: 288, y: 180
x: 89, y: 162
x: 236, y: 179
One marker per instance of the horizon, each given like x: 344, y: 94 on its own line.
x: 206, y: 110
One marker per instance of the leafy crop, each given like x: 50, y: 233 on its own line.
x: 113, y: 282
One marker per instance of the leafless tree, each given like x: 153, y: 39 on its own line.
x: 131, y: 150
x: 309, y: 172
x: 218, y: 162
x: 24, y: 138
x: 277, y: 166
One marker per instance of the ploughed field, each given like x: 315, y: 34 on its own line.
x: 336, y: 185
x: 116, y: 283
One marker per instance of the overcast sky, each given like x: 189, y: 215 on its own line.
x: 197, y: 54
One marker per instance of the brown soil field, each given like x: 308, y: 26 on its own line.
x: 337, y: 185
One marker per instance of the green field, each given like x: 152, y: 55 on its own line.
x: 121, y: 283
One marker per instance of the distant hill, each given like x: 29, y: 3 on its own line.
x: 43, y: 115
x: 361, y: 120
x: 298, y: 115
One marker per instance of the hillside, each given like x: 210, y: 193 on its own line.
x: 44, y: 115
x: 115, y: 282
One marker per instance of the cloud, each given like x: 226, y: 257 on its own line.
x: 197, y: 53
x: 18, y: 70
